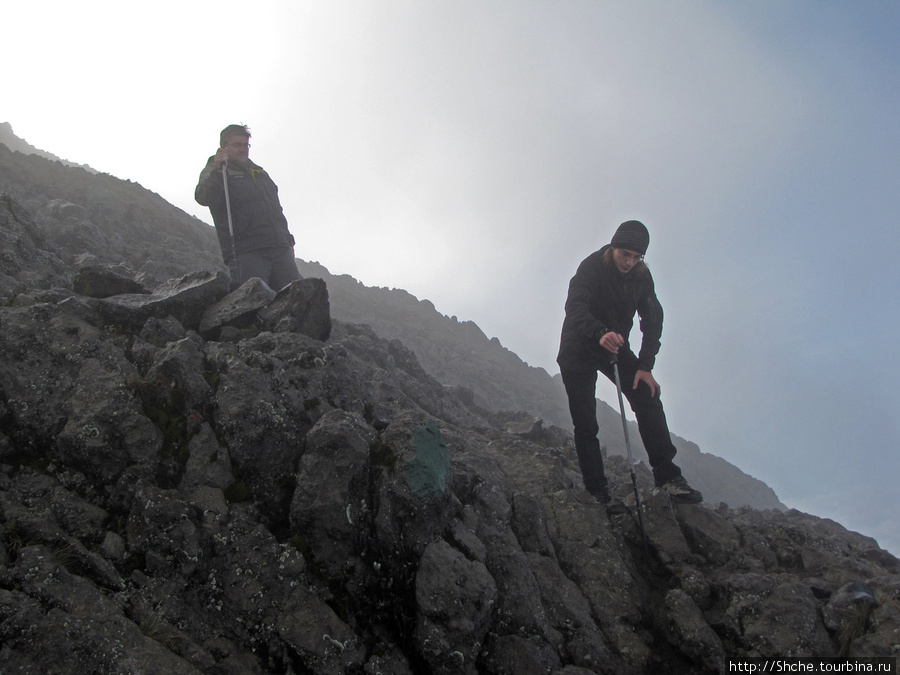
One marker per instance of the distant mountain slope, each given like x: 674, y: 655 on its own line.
x: 86, y: 217
x: 16, y: 144
x: 454, y: 352
x: 458, y: 353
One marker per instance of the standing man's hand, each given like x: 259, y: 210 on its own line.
x: 611, y: 342
x: 221, y: 157
x: 647, y: 378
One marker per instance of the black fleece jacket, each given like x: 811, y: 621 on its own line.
x: 256, y: 212
x: 602, y: 299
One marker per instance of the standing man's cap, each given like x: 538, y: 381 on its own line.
x: 631, y: 235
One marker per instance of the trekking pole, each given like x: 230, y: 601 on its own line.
x: 613, y: 359
x: 237, y: 269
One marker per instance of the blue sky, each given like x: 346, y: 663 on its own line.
x: 474, y: 153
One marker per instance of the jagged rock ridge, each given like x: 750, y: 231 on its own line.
x: 16, y: 144
x: 189, y: 482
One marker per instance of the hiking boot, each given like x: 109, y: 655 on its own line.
x: 679, y: 490
x: 613, y: 506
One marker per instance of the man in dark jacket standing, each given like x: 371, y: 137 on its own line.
x: 609, y: 287
x: 257, y: 242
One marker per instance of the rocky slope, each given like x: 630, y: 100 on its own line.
x: 457, y: 353
x: 200, y: 482
x: 98, y: 219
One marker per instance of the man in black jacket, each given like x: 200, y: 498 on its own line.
x: 609, y: 287
x: 257, y: 242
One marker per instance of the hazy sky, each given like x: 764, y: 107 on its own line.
x: 473, y: 153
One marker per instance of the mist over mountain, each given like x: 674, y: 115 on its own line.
x: 338, y: 478
x: 16, y: 144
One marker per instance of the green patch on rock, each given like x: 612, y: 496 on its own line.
x: 428, y: 471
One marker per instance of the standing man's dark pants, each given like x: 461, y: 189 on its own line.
x: 275, y: 265
x: 651, y: 419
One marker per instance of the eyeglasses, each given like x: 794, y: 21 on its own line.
x: 238, y: 145
x: 633, y: 257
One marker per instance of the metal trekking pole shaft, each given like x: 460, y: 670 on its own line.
x: 637, y: 498
x: 237, y: 271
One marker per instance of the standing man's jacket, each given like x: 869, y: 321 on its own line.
x: 602, y: 299
x: 256, y: 212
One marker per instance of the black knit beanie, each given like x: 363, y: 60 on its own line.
x: 633, y: 236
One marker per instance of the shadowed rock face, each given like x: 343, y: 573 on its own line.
x: 189, y: 483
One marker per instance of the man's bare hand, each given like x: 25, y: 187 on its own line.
x: 611, y: 342
x: 647, y: 378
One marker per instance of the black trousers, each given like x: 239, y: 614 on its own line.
x: 581, y: 388
x: 276, y: 266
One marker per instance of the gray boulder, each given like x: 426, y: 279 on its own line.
x: 330, y: 506
x: 454, y: 602
x: 185, y: 299
x: 238, y: 309
x: 300, y: 307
